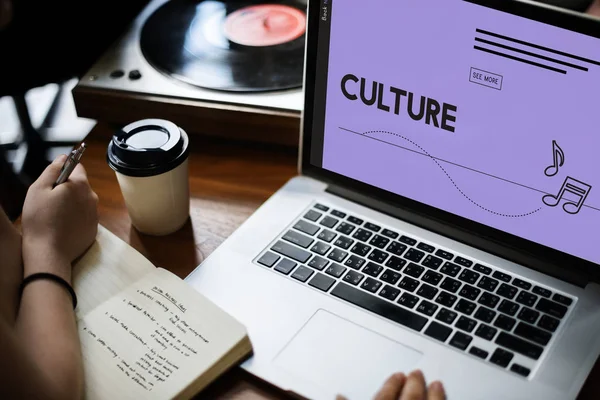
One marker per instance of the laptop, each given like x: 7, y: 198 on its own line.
x: 445, y: 215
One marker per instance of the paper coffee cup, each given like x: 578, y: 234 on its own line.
x: 150, y: 159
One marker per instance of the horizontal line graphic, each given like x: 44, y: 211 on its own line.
x: 497, y: 53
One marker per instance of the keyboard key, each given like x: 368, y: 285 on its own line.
x: 469, y: 276
x: 298, y: 239
x: 519, y: 369
x: 501, y: 357
x: 379, y: 241
x: 465, y: 324
x: 396, y: 263
x: 460, y: 340
x: 338, y: 214
x: 290, y: 251
x: 427, y: 291
x: 489, y: 300
x: 378, y: 256
x: 370, y: 284
x: 321, y: 248
x: 322, y: 282
x: 312, y: 215
x: 329, y: 222
x: 372, y: 269
x: 486, y: 332
x: 425, y: 247
x: 326, y: 235
x: 432, y: 262
x: 526, y: 298
x: 408, y: 300
x: 390, y: 234
x: 389, y: 292
x: 477, y: 352
x: 504, y: 322
x: 321, y: 207
x: 414, y: 255
x: 362, y: 234
x: 354, y: 220
x: 337, y: 255
x: 469, y: 292
x: 379, y: 306
x: 444, y: 254
x: 451, y: 285
x: 413, y: 270
x: 552, y: 308
x: 306, y: 227
x: 353, y: 277
x: 354, y: 262
x: 521, y: 284
x: 484, y: 314
x: 409, y: 284
x: 450, y: 269
x: 391, y: 277
x: 541, y: 291
x: 373, y: 227
x: 463, y: 261
x: 343, y: 242
x: 482, y: 268
x: 446, y: 316
x: 502, y: 276
x: 446, y: 299
x: 427, y: 308
x: 397, y: 248
x: 302, y: 273
x: 562, y: 299
x: 268, y: 259
x: 361, y: 249
x: 318, y: 263
x: 285, y: 266
x: 507, y: 291
x: 407, y: 240
x: 345, y: 228
x: 529, y: 315
x: 438, y: 331
x: 532, y: 333
x: 508, y: 307
x: 547, y: 322
x: 465, y: 307
x: 432, y: 277
x: 335, y: 270
x: 519, y: 345
x: 487, y: 283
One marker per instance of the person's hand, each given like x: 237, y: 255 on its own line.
x: 59, y: 223
x: 413, y: 387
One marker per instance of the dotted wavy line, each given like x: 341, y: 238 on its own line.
x: 452, y: 180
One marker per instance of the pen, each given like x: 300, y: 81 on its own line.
x: 70, y: 164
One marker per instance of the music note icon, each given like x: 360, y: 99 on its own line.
x: 557, y: 154
x: 573, y: 186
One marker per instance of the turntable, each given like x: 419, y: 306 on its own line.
x: 225, y: 68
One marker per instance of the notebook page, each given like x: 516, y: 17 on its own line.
x: 107, y: 268
x: 153, y: 340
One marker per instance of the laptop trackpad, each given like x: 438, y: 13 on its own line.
x: 340, y: 355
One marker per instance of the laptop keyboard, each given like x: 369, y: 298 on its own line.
x: 484, y: 312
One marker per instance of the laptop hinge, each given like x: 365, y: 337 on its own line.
x: 463, y: 236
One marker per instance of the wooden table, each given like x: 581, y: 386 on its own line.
x: 228, y: 181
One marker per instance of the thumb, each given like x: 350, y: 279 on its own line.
x: 51, y: 173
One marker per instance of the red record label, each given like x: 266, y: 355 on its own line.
x: 265, y: 25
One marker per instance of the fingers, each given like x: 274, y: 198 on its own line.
x: 391, y: 388
x: 50, y: 174
x: 79, y: 175
x: 436, y: 391
x: 414, y: 388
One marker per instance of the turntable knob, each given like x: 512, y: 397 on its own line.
x: 135, y: 74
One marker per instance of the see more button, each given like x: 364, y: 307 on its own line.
x: 486, y: 78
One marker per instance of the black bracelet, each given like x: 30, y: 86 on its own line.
x: 52, y: 277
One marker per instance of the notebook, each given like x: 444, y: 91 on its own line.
x: 145, y: 334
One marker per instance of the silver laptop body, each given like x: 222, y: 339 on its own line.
x: 443, y: 217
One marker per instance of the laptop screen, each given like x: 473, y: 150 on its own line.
x: 481, y: 113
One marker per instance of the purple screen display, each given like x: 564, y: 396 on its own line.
x: 499, y: 131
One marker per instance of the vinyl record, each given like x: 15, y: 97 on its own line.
x: 239, y: 46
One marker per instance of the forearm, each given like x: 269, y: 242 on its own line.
x: 47, y: 327
x: 11, y: 269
